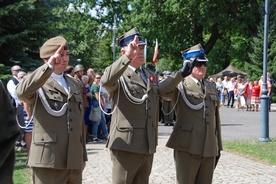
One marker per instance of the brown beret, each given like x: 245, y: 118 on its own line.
x: 51, y: 46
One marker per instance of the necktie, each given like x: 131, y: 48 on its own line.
x: 199, y: 83
x: 143, y: 75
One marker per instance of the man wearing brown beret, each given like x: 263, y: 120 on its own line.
x: 58, y: 152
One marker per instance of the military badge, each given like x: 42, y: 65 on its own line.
x: 151, y: 78
x: 56, y: 105
x: 77, y: 92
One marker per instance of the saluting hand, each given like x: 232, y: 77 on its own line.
x: 56, y: 58
x: 132, y: 48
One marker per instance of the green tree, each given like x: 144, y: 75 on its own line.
x: 180, y: 24
x: 24, y: 25
x: 254, y: 68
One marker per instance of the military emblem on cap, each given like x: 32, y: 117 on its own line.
x: 51, y: 46
x: 194, y: 52
x: 126, y: 38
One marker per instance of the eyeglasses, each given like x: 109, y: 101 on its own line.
x: 98, y: 77
x: 199, y: 64
x: 18, y: 70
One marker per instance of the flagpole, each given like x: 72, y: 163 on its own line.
x: 145, y: 53
x: 155, y: 55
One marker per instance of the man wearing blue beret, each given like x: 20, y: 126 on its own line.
x: 196, y: 138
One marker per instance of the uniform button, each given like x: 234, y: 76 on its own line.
x: 207, y: 114
x: 207, y: 123
x: 71, y: 129
x: 70, y: 110
x: 71, y: 120
x: 206, y: 106
x: 42, y: 139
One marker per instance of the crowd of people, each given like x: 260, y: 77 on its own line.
x: 54, y: 103
x: 241, y: 93
x: 90, y: 81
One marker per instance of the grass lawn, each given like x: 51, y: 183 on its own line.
x: 253, y: 149
x: 22, y: 173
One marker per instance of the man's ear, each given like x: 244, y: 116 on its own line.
x: 123, y: 51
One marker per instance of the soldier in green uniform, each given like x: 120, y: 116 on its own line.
x: 134, y: 96
x: 196, y: 137
x: 58, y: 152
x: 9, y: 132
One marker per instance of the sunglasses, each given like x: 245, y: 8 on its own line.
x: 98, y: 77
x: 199, y: 64
x: 18, y: 70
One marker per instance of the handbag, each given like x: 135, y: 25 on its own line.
x: 95, y: 114
x: 242, y: 99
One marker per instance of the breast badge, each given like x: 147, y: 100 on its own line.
x: 56, y: 105
x: 77, y: 92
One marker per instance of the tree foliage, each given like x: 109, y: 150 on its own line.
x: 23, y: 27
x: 227, y: 29
x: 254, y: 68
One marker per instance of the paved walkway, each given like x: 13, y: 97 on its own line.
x: 232, y: 168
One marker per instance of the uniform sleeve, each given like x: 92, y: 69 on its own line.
x: 27, y: 88
x: 112, y: 73
x: 168, y: 87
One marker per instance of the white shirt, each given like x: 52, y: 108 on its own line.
x: 11, y: 88
x: 231, y: 85
x: 60, y: 79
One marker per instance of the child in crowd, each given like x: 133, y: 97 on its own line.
x: 255, y: 98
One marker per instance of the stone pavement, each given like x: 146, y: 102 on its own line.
x: 231, y: 169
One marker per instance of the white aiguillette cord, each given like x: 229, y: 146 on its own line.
x: 192, y: 106
x: 128, y: 95
x: 32, y: 117
x: 46, y: 106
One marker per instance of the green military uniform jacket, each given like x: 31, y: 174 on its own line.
x: 9, y: 132
x: 196, y: 132
x: 134, y: 122
x: 57, y: 140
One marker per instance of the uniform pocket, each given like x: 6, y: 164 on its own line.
x: 44, y: 147
x: 54, y: 95
x: 125, y: 131
x: 78, y: 98
x: 184, y: 135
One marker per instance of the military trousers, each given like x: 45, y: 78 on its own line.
x: 130, y: 168
x: 56, y: 176
x: 193, y: 169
